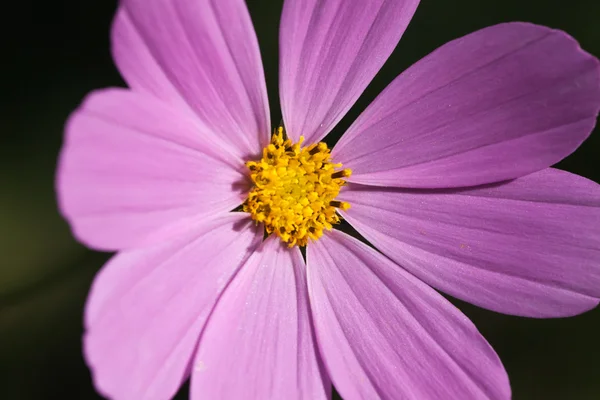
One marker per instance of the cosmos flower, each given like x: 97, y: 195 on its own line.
x: 445, y: 174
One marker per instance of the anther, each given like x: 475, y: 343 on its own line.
x: 318, y: 148
x: 342, y: 205
x: 342, y: 174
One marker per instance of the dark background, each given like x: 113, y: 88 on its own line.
x: 57, y: 51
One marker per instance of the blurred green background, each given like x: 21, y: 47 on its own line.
x: 59, y: 50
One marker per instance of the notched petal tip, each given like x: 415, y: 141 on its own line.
x: 147, y: 308
x: 494, y: 105
x: 132, y: 167
x: 528, y: 247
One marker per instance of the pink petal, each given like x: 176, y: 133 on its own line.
x: 137, y: 65
x: 497, y: 104
x: 133, y: 171
x: 258, y: 343
x: 147, y: 307
x: 385, y: 334
x: 528, y: 247
x: 329, y: 52
x: 203, y: 53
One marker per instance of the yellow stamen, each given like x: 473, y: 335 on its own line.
x: 295, y: 189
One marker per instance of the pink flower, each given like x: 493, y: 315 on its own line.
x: 450, y: 182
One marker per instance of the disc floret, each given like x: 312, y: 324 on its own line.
x: 295, y: 189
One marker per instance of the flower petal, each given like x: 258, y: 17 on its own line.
x: 137, y: 65
x: 133, y: 171
x: 528, y: 247
x: 201, y: 52
x: 497, y: 104
x: 329, y: 52
x: 147, y: 307
x: 385, y: 334
x: 258, y: 343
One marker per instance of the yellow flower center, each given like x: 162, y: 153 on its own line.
x: 295, y: 189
